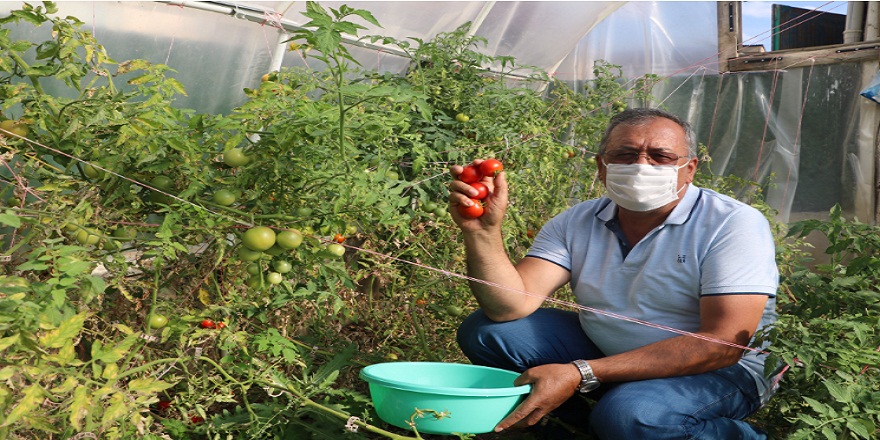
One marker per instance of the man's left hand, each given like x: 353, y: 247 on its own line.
x: 552, y: 385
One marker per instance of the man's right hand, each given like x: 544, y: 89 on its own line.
x: 495, y: 203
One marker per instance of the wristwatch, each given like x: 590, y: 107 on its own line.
x: 589, y: 382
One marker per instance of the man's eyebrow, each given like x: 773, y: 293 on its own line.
x: 632, y: 148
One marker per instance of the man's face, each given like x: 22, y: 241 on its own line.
x: 653, y: 140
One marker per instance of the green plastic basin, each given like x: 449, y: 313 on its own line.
x: 471, y: 398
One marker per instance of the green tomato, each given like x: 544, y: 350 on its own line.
x: 253, y: 269
x: 87, y: 238
x: 429, y: 206
x: 245, y: 254
x: 163, y: 183
x: 258, y: 238
x: 440, y: 211
x: 158, y: 321
x: 255, y: 282
x: 275, y: 250
x: 125, y: 233
x: 461, y: 117
x: 282, y: 266
x: 274, y: 277
x: 303, y: 212
x: 289, y: 239
x: 224, y: 197
x: 336, y: 249
x: 235, y: 157
x: 92, y: 172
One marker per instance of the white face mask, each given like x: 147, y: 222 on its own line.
x: 642, y: 187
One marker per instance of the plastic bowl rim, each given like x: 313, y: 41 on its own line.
x: 445, y: 391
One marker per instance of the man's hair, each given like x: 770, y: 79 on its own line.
x: 639, y: 116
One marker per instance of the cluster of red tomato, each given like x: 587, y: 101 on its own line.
x: 472, y: 174
x: 207, y: 323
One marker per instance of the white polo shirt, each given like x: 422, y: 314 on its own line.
x: 710, y: 244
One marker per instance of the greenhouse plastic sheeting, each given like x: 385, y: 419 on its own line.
x: 804, y: 133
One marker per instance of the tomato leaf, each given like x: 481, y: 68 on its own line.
x: 10, y: 219
x: 65, y: 332
x: 79, y: 406
x: 117, y: 410
x: 148, y: 385
x: 33, y: 397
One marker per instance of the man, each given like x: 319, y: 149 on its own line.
x: 655, y: 248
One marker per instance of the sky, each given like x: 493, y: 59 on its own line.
x: 757, y: 17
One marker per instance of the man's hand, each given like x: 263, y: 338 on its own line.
x: 552, y: 385
x: 460, y: 193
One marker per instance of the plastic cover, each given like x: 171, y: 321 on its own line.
x: 805, y: 126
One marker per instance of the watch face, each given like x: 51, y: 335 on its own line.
x: 589, y: 386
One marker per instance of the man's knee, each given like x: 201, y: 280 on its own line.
x: 636, y: 416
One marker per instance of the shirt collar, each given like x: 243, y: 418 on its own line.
x: 680, y: 214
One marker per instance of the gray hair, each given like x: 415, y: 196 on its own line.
x: 639, y: 116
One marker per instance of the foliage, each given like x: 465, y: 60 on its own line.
x: 827, y: 332
x: 109, y: 219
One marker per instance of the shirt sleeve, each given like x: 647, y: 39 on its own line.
x: 551, y: 244
x: 742, y: 257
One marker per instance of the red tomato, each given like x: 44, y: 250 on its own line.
x: 207, y: 323
x: 491, y: 166
x: 164, y: 405
x: 470, y: 174
x: 482, y: 190
x: 339, y: 238
x: 472, y: 211
x: 221, y: 325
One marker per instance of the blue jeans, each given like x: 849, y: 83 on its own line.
x: 703, y: 406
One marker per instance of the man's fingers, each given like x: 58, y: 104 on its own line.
x: 526, y: 414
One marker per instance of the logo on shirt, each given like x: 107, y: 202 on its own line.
x: 682, y: 258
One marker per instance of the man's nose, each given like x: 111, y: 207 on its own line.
x: 643, y: 157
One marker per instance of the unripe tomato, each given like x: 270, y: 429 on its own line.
x: 473, y: 211
x: 429, y: 206
x: 258, y: 238
x: 482, y: 191
x: 461, y: 117
x: 245, y: 254
x: 253, y: 269
x: 163, y: 183
x: 207, y: 323
x: 470, y: 174
x: 87, y: 238
x: 274, y: 277
x: 491, y: 166
x: 92, y: 172
x: 282, y: 266
x: 289, y: 239
x: 235, y: 157
x: 336, y: 249
x: 224, y: 197
x: 158, y: 321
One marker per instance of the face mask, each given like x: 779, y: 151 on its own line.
x: 642, y: 187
